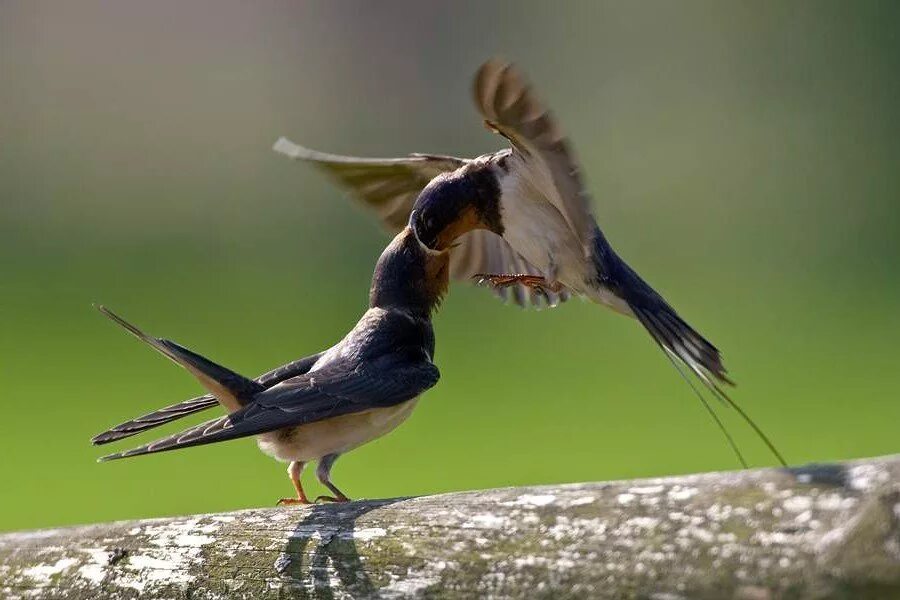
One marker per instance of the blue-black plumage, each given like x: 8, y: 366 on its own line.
x: 521, y: 220
x: 320, y: 407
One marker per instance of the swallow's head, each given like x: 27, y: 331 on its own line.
x: 454, y: 204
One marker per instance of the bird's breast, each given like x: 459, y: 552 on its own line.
x: 534, y: 228
x: 336, y: 435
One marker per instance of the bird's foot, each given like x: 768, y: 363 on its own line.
x: 340, y: 498
x: 302, y: 500
x: 504, y: 280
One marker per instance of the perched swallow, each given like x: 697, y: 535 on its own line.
x: 520, y: 219
x: 322, y: 406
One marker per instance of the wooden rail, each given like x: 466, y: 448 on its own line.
x: 820, y: 531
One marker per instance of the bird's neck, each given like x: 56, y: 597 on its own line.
x: 409, y: 276
x: 456, y: 203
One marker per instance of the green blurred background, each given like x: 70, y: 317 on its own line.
x: 744, y: 157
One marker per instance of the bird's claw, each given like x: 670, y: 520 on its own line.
x: 504, y: 280
x: 340, y: 498
x: 292, y: 501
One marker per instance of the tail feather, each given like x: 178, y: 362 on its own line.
x: 664, y: 324
x: 681, y: 342
x: 230, y: 389
x: 194, y: 405
x: 190, y: 437
x: 155, y: 419
x: 709, y: 409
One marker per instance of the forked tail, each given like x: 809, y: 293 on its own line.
x: 680, y: 342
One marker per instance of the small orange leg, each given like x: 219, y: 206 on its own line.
x: 506, y: 280
x: 294, y: 471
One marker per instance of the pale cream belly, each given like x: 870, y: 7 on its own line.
x: 335, y: 435
x: 607, y: 298
x: 536, y: 229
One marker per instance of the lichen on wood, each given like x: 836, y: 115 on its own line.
x: 821, y: 531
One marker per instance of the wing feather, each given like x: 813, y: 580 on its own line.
x: 389, y: 186
x: 329, y: 392
x: 510, y: 107
x: 188, y: 407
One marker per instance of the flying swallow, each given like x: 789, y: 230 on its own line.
x: 325, y: 405
x: 521, y: 220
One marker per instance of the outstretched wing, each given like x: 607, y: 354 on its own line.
x: 326, y: 393
x: 510, y: 107
x: 389, y: 186
x: 188, y: 407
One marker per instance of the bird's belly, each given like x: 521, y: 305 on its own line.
x: 536, y: 229
x: 601, y: 295
x: 538, y: 232
x: 335, y: 435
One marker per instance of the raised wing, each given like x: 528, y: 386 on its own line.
x: 389, y: 186
x: 329, y: 392
x: 510, y: 107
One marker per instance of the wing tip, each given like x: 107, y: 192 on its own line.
x: 494, y: 64
x: 114, y: 435
x: 485, y: 81
x: 102, y: 438
x: 288, y: 148
x: 138, y: 451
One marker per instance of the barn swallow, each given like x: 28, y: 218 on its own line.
x: 521, y: 220
x: 325, y: 405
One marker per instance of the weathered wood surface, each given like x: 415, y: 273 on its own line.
x: 825, y: 531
